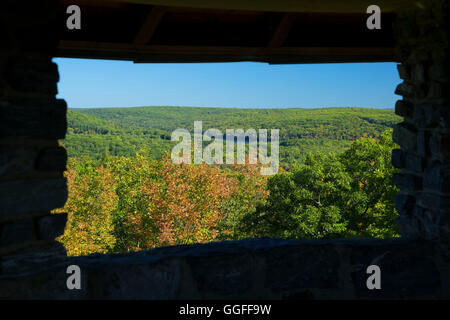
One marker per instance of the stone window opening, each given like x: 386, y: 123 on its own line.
x: 33, y: 265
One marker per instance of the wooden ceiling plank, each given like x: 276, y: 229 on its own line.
x: 152, y: 21
x: 69, y: 45
x: 282, y: 31
x: 96, y: 3
x: 343, y: 6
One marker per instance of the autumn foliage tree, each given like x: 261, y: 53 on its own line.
x: 125, y: 204
x: 183, y: 205
x: 91, y: 200
x: 136, y: 203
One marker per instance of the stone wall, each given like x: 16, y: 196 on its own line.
x: 247, y: 269
x: 423, y: 47
x: 31, y: 122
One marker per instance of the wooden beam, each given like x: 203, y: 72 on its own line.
x: 282, y: 31
x: 152, y: 21
x: 96, y: 3
x: 159, y: 53
x: 278, y: 5
x: 214, y: 11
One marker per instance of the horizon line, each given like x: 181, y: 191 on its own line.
x: 232, y: 107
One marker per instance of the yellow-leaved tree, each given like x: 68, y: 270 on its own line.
x: 91, y: 201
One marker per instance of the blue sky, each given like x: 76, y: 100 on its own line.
x: 101, y: 83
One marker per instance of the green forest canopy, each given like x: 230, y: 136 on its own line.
x: 125, y: 131
x: 337, y: 180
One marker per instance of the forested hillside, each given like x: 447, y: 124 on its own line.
x: 123, y: 204
x: 91, y: 136
x: 333, y: 123
x: 124, y: 131
x: 125, y: 193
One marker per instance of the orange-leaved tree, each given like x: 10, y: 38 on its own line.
x: 183, y: 204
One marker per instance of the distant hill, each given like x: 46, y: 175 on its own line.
x: 124, y: 131
x: 91, y: 136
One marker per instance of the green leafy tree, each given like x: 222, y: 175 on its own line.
x: 305, y: 202
x: 346, y: 195
x: 370, y: 210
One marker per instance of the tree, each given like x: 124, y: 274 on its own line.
x: 305, y: 202
x: 346, y: 195
x: 91, y: 200
x: 370, y: 210
x: 120, y: 204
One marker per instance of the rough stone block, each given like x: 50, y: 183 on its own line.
x: 308, y: 267
x: 409, y: 161
x: 408, y: 227
x: 402, y: 273
x: 404, y: 109
x: 39, y: 119
x: 18, y: 231
x: 438, y: 90
x: 33, y: 195
x: 423, y: 143
x: 441, y: 66
x: 404, y: 204
x: 398, y: 159
x: 18, y: 160
x: 444, y: 226
x: 51, y: 226
x: 52, y: 159
x: 131, y: 280
x: 43, y: 253
x: 414, y: 163
x: 440, y: 145
x: 220, y: 276
x: 406, y: 136
x: 433, y: 201
x: 406, y: 90
x: 418, y: 56
x: 431, y: 223
x: 437, y: 177
x: 431, y: 115
x: 418, y: 73
x: 27, y: 75
x: 408, y: 182
x: 440, y: 54
x: 403, y: 71
x: 439, y: 72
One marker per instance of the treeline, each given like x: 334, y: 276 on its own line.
x: 125, y: 131
x: 120, y: 204
x: 94, y: 137
x: 330, y: 123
